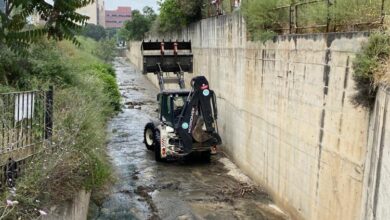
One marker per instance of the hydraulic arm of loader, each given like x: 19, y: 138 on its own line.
x: 161, y: 57
x: 200, y: 108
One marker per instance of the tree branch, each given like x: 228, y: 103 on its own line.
x: 8, y: 7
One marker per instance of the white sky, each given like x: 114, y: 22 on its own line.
x: 134, y: 4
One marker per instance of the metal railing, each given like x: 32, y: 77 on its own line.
x: 211, y: 8
x: 328, y: 16
x: 26, y: 120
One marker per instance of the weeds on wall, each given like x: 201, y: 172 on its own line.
x: 371, y: 67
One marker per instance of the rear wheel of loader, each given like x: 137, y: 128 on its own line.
x: 149, y: 136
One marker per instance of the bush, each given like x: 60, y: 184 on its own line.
x: 93, y: 31
x: 48, y: 66
x: 105, y: 68
x: 86, y: 95
x: 106, y: 50
x: 12, y: 67
x: 262, y: 18
x: 369, y: 68
x: 110, y: 88
x: 76, y: 159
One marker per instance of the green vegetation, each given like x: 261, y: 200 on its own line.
x: 98, y: 32
x: 262, y: 19
x: 371, y: 68
x: 175, y: 14
x: 171, y: 18
x: 265, y: 18
x: 93, y: 31
x: 106, y: 49
x: 107, y: 75
x: 86, y: 95
x: 61, y: 21
x: 112, y: 33
x: 209, y: 9
x: 139, y: 25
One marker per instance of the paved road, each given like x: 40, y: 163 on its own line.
x: 190, y: 189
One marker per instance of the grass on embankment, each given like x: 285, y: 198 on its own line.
x: 85, y: 96
x: 267, y: 18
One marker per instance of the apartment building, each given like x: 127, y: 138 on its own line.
x: 95, y: 12
x: 116, y: 18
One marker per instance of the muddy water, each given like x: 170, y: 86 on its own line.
x: 188, y: 189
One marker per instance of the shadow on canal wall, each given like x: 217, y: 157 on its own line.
x: 286, y: 114
x: 376, y: 197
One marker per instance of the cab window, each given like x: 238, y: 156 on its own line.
x: 166, y: 114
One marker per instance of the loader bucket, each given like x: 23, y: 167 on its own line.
x: 172, y: 56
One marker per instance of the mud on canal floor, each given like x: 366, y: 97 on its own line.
x: 191, y: 189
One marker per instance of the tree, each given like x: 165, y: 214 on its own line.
x: 139, y: 25
x: 149, y: 13
x: 171, y: 18
x: 175, y: 14
x: 111, y: 32
x: 93, y: 31
x: 192, y: 9
x: 61, y: 21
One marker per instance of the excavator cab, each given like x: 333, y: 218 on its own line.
x: 187, y: 117
x: 171, y: 105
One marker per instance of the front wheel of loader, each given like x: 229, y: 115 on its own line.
x: 157, y: 147
x: 149, y: 136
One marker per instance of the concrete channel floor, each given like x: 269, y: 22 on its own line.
x: 145, y: 189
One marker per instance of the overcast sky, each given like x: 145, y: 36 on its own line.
x: 134, y: 4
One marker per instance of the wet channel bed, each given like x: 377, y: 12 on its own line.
x: 145, y: 189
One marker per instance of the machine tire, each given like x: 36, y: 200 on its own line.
x: 149, y: 136
x: 206, y: 156
x: 157, y: 147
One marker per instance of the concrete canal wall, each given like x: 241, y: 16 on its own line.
x: 77, y: 209
x: 376, y: 197
x: 286, y: 116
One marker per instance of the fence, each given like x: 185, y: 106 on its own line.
x: 302, y: 16
x: 212, y: 8
x: 25, y: 122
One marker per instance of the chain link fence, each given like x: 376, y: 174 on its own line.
x: 308, y: 16
x: 211, y: 8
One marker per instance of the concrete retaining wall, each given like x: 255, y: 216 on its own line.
x: 377, y: 179
x: 73, y: 210
x: 286, y: 116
